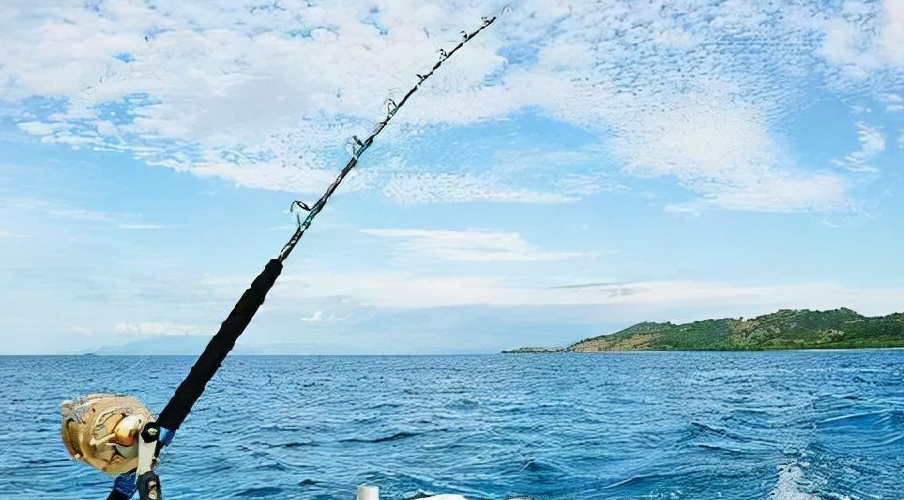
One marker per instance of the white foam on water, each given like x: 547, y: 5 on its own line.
x: 790, y: 480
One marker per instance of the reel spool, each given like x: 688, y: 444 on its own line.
x: 101, y: 430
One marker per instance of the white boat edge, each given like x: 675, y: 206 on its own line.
x: 366, y: 492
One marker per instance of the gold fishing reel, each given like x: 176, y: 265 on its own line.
x: 102, y: 431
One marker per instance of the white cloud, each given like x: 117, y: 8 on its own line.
x: 872, y: 142
x: 9, y: 234
x: 892, y: 37
x: 214, y: 86
x: 701, y: 138
x: 861, y: 37
x: 846, y: 46
x: 320, y: 317
x: 472, y: 245
x: 159, y: 328
x: 38, y: 128
x: 58, y: 210
x: 430, y: 187
x: 871, y: 138
x: 273, y: 176
x: 780, y: 192
x: 317, y: 316
x: 690, y: 209
x: 723, y: 151
x: 264, y: 97
x: 81, y: 214
x: 505, y: 173
x: 397, y: 291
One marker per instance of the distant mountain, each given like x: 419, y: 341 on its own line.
x: 785, y: 329
x: 167, y: 345
x: 181, y: 345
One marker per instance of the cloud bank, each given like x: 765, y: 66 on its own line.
x: 264, y: 95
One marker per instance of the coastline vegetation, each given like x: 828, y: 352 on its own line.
x: 785, y: 329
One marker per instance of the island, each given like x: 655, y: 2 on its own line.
x: 785, y: 329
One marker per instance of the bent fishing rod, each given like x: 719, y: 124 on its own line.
x: 117, y: 434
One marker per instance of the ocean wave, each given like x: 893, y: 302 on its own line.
x: 382, y: 439
x: 549, y: 427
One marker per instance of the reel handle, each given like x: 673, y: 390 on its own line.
x: 149, y: 486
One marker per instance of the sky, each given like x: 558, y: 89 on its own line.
x: 574, y: 169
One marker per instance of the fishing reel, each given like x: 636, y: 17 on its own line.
x: 116, y: 435
x: 102, y: 430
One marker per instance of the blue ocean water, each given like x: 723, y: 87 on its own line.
x: 801, y: 425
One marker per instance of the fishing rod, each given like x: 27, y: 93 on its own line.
x: 117, y: 434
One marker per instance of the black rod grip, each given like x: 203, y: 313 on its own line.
x: 219, y: 346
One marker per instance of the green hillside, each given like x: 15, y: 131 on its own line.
x: 785, y: 329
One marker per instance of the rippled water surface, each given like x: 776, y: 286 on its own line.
x: 764, y: 426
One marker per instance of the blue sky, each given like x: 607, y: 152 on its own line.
x: 573, y: 170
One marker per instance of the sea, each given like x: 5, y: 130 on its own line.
x: 787, y: 425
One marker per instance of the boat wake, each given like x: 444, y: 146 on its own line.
x: 792, y: 483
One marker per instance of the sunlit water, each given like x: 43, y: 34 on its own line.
x: 763, y: 426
